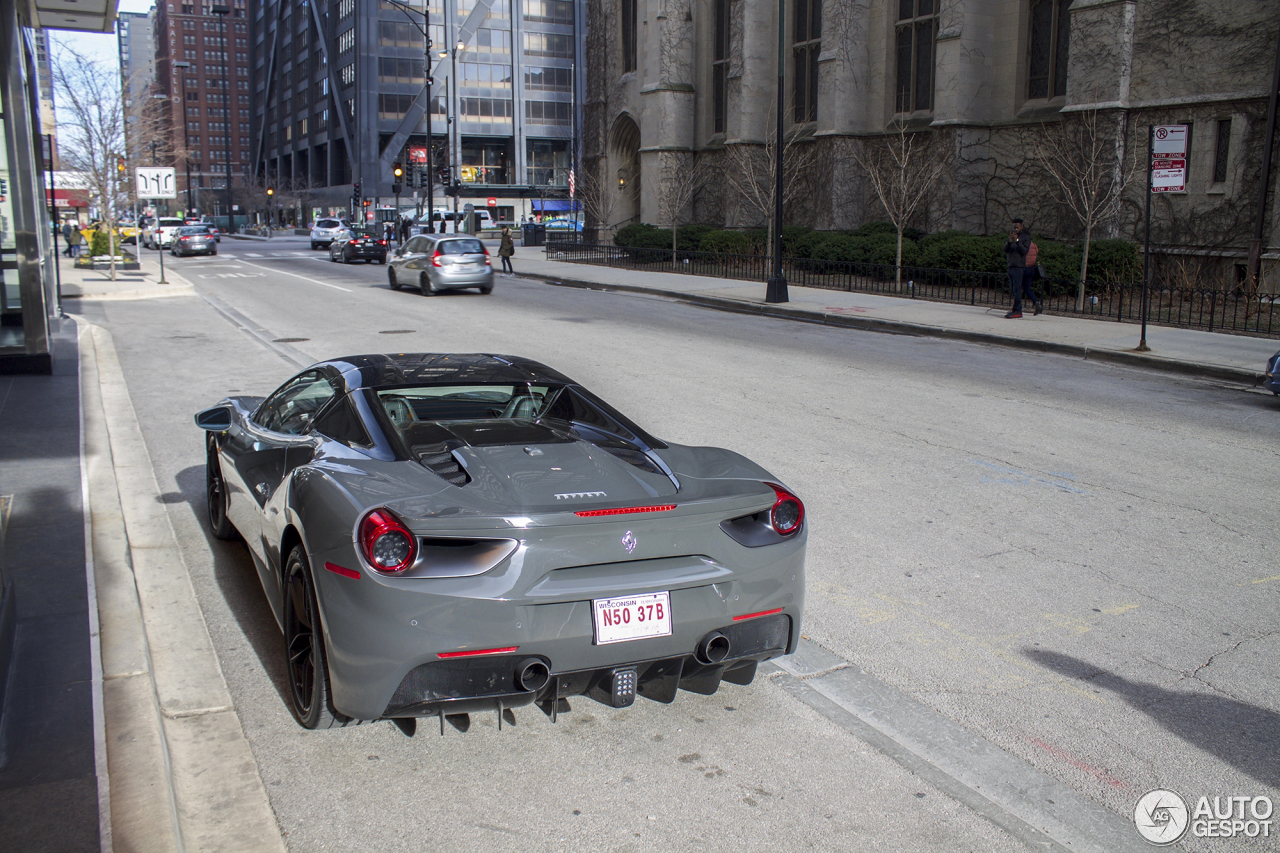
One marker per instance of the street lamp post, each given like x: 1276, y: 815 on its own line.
x: 186, y: 136
x: 451, y: 128
x: 776, y: 287
x: 222, y: 12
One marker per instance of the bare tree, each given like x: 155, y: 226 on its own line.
x: 91, y: 131
x: 681, y: 176
x: 1086, y: 159
x: 750, y: 170
x: 903, y: 168
x: 598, y: 195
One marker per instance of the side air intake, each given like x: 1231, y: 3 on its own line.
x: 439, y: 458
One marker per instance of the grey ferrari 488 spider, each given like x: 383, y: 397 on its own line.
x: 445, y: 534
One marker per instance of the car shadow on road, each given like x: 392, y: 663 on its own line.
x: 1243, y: 735
x: 237, y: 580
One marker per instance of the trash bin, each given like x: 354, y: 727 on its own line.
x: 535, y: 234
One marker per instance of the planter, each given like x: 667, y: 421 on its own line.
x: 103, y: 262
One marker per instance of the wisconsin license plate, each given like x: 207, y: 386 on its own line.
x: 632, y: 617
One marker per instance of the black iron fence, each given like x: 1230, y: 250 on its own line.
x: 1237, y: 311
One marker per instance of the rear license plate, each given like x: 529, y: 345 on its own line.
x: 632, y: 617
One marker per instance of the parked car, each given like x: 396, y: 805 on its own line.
x: 445, y: 534
x: 358, y: 244
x: 160, y: 234
x: 436, y: 262
x: 1272, y: 380
x: 194, y: 240
x: 325, y: 230
x: 563, y: 224
x: 128, y: 231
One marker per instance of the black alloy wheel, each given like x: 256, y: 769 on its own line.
x: 391, y: 279
x: 425, y: 285
x: 216, y: 496
x: 307, y: 669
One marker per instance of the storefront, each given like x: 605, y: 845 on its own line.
x: 28, y: 277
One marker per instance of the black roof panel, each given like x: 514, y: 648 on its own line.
x: 399, y: 369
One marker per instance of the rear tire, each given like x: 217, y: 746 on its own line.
x: 487, y: 289
x: 306, y: 665
x: 216, y: 496
x: 425, y: 285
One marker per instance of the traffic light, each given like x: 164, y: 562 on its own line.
x: 120, y: 163
x: 355, y: 190
x: 424, y: 177
x: 443, y: 173
x: 398, y: 171
x: 270, y: 192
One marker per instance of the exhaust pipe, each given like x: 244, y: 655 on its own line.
x: 532, y: 675
x: 713, y: 648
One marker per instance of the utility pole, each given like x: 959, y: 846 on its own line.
x: 222, y: 12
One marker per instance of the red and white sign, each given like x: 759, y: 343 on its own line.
x: 493, y: 202
x: 1169, y: 158
x: 417, y: 154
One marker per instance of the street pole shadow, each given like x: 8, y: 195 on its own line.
x: 237, y: 579
x: 1242, y: 735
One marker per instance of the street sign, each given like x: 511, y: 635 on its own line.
x: 493, y: 202
x: 1169, y: 158
x: 157, y: 182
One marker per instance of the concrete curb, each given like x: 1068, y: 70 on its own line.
x: 182, y: 774
x: 1222, y: 373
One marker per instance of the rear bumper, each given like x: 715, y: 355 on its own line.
x: 464, y: 686
x: 459, y: 281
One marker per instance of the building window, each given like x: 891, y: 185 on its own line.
x: 1047, y: 48
x: 628, y: 35
x: 398, y: 34
x: 485, y: 75
x: 548, y: 161
x: 486, y: 110
x: 917, y: 28
x: 720, y: 66
x: 549, y: 11
x: 393, y: 70
x: 806, y: 47
x: 394, y: 107
x: 485, y: 161
x: 548, y: 79
x: 554, y: 113
x: 1222, y: 152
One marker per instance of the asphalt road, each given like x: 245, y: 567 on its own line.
x: 1074, y: 561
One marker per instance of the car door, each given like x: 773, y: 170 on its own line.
x: 412, y: 256
x: 270, y: 444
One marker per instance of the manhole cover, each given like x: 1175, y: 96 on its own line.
x: 289, y: 340
x: 398, y: 332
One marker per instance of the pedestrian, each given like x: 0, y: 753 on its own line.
x: 66, y: 235
x: 1029, y: 274
x: 404, y: 229
x: 76, y: 239
x: 505, y: 250
x: 1015, y: 250
x: 388, y: 230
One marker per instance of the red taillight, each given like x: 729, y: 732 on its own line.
x: 591, y: 513
x: 183, y: 239
x: 757, y: 615
x: 355, y: 242
x: 787, y: 513
x: 387, y: 545
x: 382, y: 242
x: 435, y: 259
x: 473, y: 652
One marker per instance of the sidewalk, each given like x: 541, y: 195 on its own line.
x: 118, y: 731
x: 1209, y: 355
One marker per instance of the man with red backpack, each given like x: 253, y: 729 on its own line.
x: 1021, y: 263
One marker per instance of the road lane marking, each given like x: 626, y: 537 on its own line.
x: 252, y: 255
x: 303, y: 277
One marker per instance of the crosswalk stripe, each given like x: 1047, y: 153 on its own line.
x: 252, y: 255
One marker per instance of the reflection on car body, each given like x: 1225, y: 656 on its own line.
x: 439, y: 535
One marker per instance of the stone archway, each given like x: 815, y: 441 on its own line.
x: 624, y: 153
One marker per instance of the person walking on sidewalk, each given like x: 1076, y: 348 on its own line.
x: 1030, y: 274
x: 1015, y: 250
x: 505, y: 250
x: 66, y: 235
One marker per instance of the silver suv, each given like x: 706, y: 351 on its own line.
x: 325, y: 230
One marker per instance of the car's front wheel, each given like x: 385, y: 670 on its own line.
x: 425, y: 285
x: 216, y: 497
x: 307, y: 668
x: 391, y: 279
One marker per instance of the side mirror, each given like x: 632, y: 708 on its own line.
x: 217, y: 419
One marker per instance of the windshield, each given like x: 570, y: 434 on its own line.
x: 327, y: 223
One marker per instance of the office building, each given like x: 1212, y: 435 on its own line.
x: 339, y: 99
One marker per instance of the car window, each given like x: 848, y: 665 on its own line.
x: 290, y: 409
x: 170, y: 223
x: 417, y: 245
x: 327, y: 223
x: 461, y: 247
x: 195, y: 229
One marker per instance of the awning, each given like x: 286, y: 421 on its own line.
x: 541, y: 205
